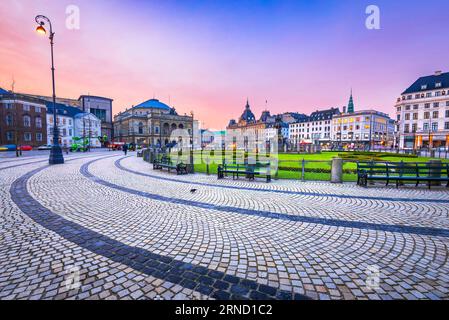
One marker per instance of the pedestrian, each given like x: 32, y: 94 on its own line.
x: 125, y: 149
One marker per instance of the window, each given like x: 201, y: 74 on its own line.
x: 426, y: 127
x: 409, y: 97
x: 399, y: 110
x: 26, y: 121
x: 416, y: 96
x: 426, y: 115
x: 427, y: 105
x: 414, y: 127
x: 70, y: 132
x: 447, y: 113
x: 407, y: 108
x: 9, y: 135
x: 436, y: 104
x: 398, y: 117
x: 415, y: 116
x: 424, y: 87
x: 70, y: 122
x: 435, y: 114
x: 446, y: 126
x: 9, y: 106
x: 415, y: 107
x: 38, y: 136
x: 406, y: 128
x: 27, y: 136
x: 156, y: 130
x: 38, y: 109
x: 26, y: 107
x: 407, y: 116
x: 38, y: 122
x: 438, y: 85
x: 435, y: 126
x: 9, y: 120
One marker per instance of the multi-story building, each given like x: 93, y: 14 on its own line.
x: 102, y: 108
x: 65, y: 122
x: 87, y: 125
x: 151, y: 123
x: 264, y: 129
x: 99, y: 106
x: 72, y: 122
x: 315, y: 129
x: 422, y: 113
x: 23, y: 120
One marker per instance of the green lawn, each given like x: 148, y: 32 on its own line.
x: 290, y: 165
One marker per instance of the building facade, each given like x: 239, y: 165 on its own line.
x: 73, y: 123
x: 366, y: 129
x: 101, y: 108
x: 23, y: 120
x: 315, y: 129
x: 265, y: 128
x: 152, y: 123
x: 89, y: 126
x: 422, y: 113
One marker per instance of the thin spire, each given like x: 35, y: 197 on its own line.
x: 351, y: 104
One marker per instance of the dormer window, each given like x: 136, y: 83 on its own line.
x: 438, y: 85
x: 424, y: 87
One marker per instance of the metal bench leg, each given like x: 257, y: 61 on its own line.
x: 388, y: 182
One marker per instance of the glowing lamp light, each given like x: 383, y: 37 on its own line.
x: 41, y: 30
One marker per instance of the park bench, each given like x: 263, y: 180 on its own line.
x: 167, y: 163
x: 250, y: 171
x: 401, y: 172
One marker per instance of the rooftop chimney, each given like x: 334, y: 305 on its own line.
x: 438, y: 73
x: 344, y: 109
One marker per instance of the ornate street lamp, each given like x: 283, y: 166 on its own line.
x: 56, y: 156
x: 192, y: 168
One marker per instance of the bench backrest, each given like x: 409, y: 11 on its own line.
x: 403, y: 168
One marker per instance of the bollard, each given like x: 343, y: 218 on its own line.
x: 435, y: 171
x: 337, y: 170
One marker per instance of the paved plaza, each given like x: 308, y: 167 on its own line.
x: 106, y: 226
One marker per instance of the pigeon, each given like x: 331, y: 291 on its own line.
x: 193, y: 190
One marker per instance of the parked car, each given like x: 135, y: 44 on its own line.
x: 44, y: 147
x: 25, y: 148
x: 8, y: 147
x: 442, y: 149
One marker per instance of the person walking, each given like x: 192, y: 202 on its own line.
x: 125, y: 149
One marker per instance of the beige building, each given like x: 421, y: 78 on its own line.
x: 150, y: 123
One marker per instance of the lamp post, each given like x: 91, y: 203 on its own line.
x: 192, y: 168
x: 56, y: 156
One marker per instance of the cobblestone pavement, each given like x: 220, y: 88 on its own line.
x: 128, y: 232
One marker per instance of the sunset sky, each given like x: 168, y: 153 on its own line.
x: 209, y: 56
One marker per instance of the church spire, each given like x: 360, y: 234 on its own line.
x: 351, y: 104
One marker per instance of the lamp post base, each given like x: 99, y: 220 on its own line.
x: 56, y: 156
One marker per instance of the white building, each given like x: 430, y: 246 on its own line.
x: 422, y: 113
x: 315, y: 129
x: 65, y: 123
x: 72, y: 122
x: 362, y: 130
x: 89, y: 126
